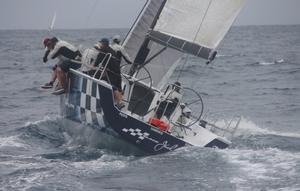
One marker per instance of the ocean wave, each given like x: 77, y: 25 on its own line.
x: 273, y: 167
x: 104, y: 162
x: 32, y: 89
x: 24, y: 179
x: 79, y: 153
x: 6, y: 105
x: 74, y: 141
x: 7, y: 67
x: 268, y: 63
x: 292, y: 70
x: 46, y: 133
x: 248, y: 127
x: 268, y: 90
x: 251, y: 136
x: 285, y: 89
x: 10, y: 142
x: 246, y: 168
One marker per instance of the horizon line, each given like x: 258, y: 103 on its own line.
x: 109, y: 28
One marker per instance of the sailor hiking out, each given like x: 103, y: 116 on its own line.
x: 46, y: 43
x: 67, y: 55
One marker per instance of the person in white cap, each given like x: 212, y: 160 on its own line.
x: 115, y: 45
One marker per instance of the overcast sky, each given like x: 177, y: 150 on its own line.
x: 37, y: 14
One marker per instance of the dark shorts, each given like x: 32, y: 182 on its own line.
x: 66, y: 65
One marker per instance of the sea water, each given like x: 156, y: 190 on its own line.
x: 256, y: 75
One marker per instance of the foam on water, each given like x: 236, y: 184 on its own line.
x: 266, y: 63
x: 267, y: 165
x: 45, y: 119
x: 11, y: 142
x: 248, y: 127
x: 105, y: 162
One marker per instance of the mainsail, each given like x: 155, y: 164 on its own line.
x: 166, y: 29
x: 51, y: 27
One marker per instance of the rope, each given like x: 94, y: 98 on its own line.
x: 200, y: 26
x: 93, y: 8
x: 197, y: 33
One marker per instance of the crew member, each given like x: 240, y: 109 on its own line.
x: 113, y: 73
x: 46, y: 42
x: 67, y: 55
x: 121, y: 53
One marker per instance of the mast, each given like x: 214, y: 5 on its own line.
x: 144, y: 50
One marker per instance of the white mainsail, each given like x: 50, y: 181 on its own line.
x: 184, y: 26
x: 202, y: 22
x: 51, y: 27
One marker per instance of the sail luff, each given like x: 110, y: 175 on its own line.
x: 144, y: 49
x: 136, y: 36
x: 128, y: 35
x: 136, y: 43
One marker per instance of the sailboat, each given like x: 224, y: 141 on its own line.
x: 158, y: 115
x: 51, y: 27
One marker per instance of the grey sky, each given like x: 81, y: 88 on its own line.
x: 37, y: 14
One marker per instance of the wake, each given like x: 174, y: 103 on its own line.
x: 248, y: 127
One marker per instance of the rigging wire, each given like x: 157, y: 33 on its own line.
x: 197, y: 33
x: 92, y: 10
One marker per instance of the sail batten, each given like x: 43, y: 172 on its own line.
x: 181, y: 45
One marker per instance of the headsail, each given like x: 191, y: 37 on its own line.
x: 190, y: 26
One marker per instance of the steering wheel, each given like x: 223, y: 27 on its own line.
x: 146, y: 80
x: 191, y: 101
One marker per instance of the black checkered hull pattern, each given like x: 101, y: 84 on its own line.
x: 83, y: 101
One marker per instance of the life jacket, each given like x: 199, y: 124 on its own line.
x: 64, y: 51
x: 163, y: 126
x: 89, y: 58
